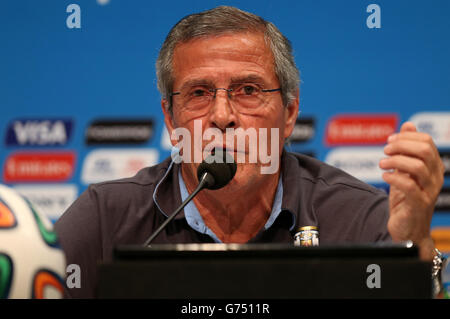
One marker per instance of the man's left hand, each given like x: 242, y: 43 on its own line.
x: 416, y: 176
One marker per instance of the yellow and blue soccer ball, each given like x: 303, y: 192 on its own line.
x: 32, y: 265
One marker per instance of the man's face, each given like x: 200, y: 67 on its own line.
x: 221, y: 62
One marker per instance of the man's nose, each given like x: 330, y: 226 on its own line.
x: 222, y: 115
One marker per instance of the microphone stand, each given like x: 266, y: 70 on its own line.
x: 206, y: 180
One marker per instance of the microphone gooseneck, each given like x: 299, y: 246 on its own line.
x: 214, y: 172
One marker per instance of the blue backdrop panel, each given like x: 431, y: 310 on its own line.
x: 65, y: 91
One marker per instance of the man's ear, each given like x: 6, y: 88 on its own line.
x: 168, y: 119
x: 290, y: 115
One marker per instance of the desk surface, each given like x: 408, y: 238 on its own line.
x: 264, y: 271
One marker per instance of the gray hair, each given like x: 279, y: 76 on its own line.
x: 221, y: 20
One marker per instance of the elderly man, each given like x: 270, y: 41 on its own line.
x: 226, y: 69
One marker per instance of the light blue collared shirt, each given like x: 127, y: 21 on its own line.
x: 195, y: 220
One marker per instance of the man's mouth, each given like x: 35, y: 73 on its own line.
x: 222, y: 148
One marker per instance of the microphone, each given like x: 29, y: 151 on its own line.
x: 219, y: 173
x: 216, y: 171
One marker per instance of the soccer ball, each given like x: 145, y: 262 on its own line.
x: 32, y: 265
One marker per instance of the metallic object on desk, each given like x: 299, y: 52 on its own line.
x: 307, y: 236
x: 439, y: 265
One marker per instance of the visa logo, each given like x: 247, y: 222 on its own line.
x: 33, y: 132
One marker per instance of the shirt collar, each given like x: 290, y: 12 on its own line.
x: 195, y: 220
x: 168, y: 193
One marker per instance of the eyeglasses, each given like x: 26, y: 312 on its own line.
x: 246, y: 97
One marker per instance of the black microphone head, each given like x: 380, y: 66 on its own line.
x: 220, y: 166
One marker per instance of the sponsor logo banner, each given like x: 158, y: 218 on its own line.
x: 106, y: 164
x: 360, y: 129
x: 441, y: 237
x: 361, y: 162
x: 39, y: 167
x: 51, y: 200
x: 119, y: 132
x: 437, y: 124
x: 445, y: 157
x: 304, y: 130
x: 443, y: 200
x: 39, y: 132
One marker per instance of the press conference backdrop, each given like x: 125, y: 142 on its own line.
x: 79, y: 103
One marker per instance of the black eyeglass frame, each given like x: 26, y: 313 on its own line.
x: 227, y: 90
x: 215, y: 91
